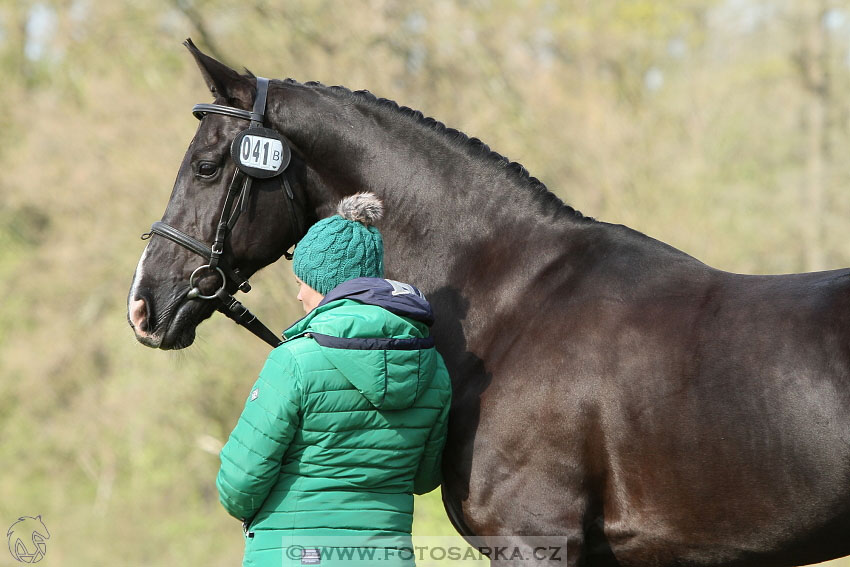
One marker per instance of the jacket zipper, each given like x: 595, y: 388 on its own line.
x: 245, y: 525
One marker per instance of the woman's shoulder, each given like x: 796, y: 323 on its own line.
x: 293, y: 357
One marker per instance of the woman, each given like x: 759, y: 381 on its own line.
x: 348, y: 417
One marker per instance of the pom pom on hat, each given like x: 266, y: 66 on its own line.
x: 364, y: 208
x: 342, y: 247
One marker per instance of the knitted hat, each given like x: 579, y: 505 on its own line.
x: 342, y: 247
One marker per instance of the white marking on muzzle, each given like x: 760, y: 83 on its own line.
x: 134, y: 289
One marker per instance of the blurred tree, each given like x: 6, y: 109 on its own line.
x: 715, y: 125
x: 813, y: 62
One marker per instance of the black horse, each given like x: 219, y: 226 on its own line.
x: 607, y: 387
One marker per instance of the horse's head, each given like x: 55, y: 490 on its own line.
x: 163, y: 309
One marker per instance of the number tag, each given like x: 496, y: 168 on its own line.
x: 260, y: 152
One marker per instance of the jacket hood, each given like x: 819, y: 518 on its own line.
x: 375, y: 332
x: 396, y: 297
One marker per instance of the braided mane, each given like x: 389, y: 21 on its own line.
x: 474, y: 146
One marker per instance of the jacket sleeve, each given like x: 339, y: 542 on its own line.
x: 429, y: 474
x: 251, y: 458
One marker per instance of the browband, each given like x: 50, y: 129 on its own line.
x: 256, y: 116
x: 201, y: 110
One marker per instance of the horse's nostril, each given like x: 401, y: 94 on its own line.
x: 139, y: 315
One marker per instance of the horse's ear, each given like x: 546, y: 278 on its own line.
x: 222, y: 80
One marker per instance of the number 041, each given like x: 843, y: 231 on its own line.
x: 262, y: 153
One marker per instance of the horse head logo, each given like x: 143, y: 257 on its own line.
x: 27, y: 539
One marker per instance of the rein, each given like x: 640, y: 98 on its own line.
x: 258, y: 153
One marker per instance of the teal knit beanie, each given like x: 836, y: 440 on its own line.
x: 342, y: 247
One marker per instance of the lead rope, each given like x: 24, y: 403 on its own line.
x: 235, y: 311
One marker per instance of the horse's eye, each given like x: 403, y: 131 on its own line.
x: 207, y: 169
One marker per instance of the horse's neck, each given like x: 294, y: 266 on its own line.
x: 454, y: 215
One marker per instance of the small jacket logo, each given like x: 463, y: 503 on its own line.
x: 400, y: 288
x: 27, y: 539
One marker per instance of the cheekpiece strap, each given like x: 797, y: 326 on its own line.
x: 260, y: 103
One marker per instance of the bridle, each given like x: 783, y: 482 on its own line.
x: 254, y: 153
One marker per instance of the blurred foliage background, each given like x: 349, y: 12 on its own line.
x: 719, y: 126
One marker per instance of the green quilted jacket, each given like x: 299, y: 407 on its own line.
x: 346, y: 422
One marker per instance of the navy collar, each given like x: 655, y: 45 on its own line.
x: 396, y: 297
